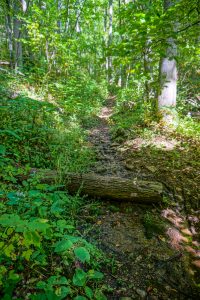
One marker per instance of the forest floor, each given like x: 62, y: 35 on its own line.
x: 154, y: 250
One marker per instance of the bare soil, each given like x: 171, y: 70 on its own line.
x: 154, y: 251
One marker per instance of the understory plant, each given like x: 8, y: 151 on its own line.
x: 42, y: 255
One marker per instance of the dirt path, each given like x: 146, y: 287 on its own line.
x: 145, y: 264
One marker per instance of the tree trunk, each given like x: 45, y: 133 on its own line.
x: 110, y: 29
x: 110, y: 188
x: 9, y: 31
x: 17, y: 32
x: 168, y: 77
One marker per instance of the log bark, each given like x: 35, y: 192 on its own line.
x: 106, y: 187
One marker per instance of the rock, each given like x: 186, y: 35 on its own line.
x: 141, y: 293
x: 122, y: 149
x: 101, y: 169
x: 151, y: 169
x: 129, y: 167
x: 115, y: 145
x: 138, y: 259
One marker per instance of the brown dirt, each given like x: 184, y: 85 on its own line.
x: 155, y: 249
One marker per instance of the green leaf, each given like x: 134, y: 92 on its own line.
x: 40, y: 225
x: 63, y: 291
x: 62, y: 246
x: 52, y: 296
x: 34, y: 193
x: 57, y: 280
x: 79, y: 278
x: 13, y: 276
x: 92, y: 274
x: 82, y: 254
x: 41, y: 285
x: 27, y: 254
x: 100, y: 296
x: 2, y: 150
x: 89, y: 293
x: 80, y: 298
x: 73, y: 239
x: 62, y: 224
x: 57, y: 207
x: 10, y: 132
x: 14, y: 199
x: 9, y: 250
x: 38, y: 297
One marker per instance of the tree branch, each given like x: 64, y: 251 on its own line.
x: 191, y: 25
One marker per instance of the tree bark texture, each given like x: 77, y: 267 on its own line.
x: 106, y: 187
x: 168, y: 72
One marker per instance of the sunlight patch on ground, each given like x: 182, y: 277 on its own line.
x: 181, y: 237
x: 106, y: 112
x: 159, y: 142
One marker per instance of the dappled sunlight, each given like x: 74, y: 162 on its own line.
x: 106, y: 112
x: 158, y: 142
x: 181, y: 236
x: 99, y: 150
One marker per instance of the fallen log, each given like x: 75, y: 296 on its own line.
x: 106, y: 187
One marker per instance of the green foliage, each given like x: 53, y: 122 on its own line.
x: 130, y: 112
x: 189, y: 127
x: 39, y: 243
x: 153, y: 226
x: 38, y: 133
x: 79, y: 96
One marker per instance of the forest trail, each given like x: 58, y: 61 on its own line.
x: 146, y: 266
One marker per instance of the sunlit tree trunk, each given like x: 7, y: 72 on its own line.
x: 168, y: 76
x: 122, y: 68
x: 110, y: 31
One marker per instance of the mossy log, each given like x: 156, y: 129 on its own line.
x: 107, y: 187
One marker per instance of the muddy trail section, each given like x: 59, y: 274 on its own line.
x: 153, y: 251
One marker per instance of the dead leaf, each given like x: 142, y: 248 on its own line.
x: 196, y: 263
x: 186, y: 231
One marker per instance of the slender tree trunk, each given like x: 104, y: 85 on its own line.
x: 59, y: 23
x: 17, y: 32
x: 110, y: 30
x: 9, y: 31
x: 17, y: 42
x: 168, y: 77
x: 147, y: 70
x: 67, y: 16
x: 122, y: 68
x: 105, y: 42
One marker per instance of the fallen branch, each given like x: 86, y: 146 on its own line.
x: 106, y: 187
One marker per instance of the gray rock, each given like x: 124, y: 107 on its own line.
x: 141, y: 293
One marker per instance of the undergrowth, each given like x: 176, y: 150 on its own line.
x: 44, y: 133
x: 136, y: 116
x: 42, y: 254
